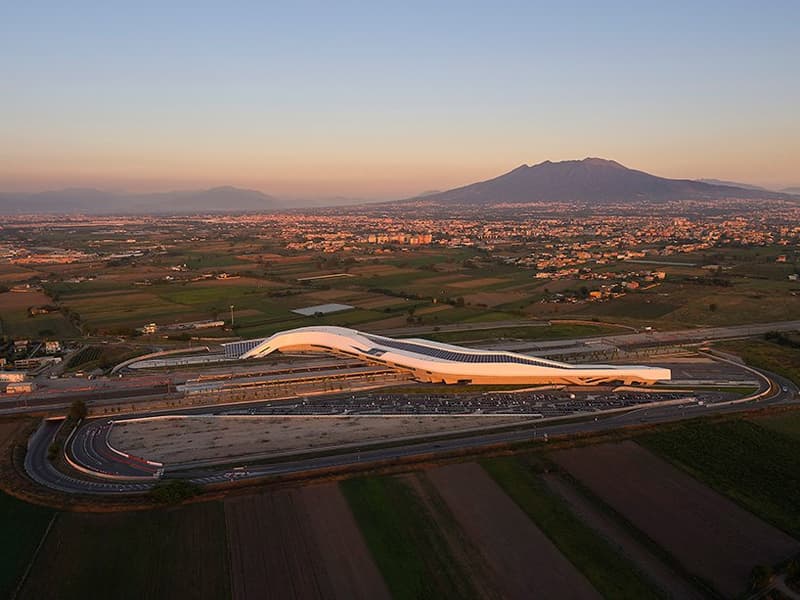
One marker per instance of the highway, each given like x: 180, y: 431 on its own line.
x: 646, y: 338
x: 42, y: 471
x: 697, y: 334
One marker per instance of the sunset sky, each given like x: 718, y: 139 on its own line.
x: 389, y: 99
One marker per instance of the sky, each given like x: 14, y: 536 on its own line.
x: 376, y: 99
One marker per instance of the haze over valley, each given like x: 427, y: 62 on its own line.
x: 579, y: 183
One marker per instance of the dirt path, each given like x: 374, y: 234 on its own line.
x: 351, y: 570
x: 709, y: 534
x: 526, y: 562
x: 648, y: 563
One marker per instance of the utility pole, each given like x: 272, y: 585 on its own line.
x: 231, y: 315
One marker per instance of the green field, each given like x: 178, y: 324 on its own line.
x: 610, y: 573
x: 633, y: 306
x: 53, y: 326
x: 482, y: 290
x: 783, y: 360
x: 23, y: 526
x: 533, y: 332
x: 102, y: 357
x: 405, y: 541
x: 15, y: 322
x: 756, y: 466
x: 169, y: 553
x: 787, y: 423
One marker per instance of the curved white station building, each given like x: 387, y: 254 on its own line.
x: 441, y: 363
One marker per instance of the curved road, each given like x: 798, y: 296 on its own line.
x: 42, y: 471
x: 93, y: 446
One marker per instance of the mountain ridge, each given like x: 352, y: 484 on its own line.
x: 220, y: 199
x: 591, y: 180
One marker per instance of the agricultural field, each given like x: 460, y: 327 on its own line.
x: 21, y: 522
x: 408, y: 546
x: 167, y: 553
x: 10, y: 274
x: 511, y: 542
x: 611, y: 574
x: 554, y: 331
x: 15, y: 321
x: 24, y: 524
x: 299, y: 543
x: 707, y: 534
x: 756, y: 466
x: 403, y: 287
x: 787, y: 423
x: 676, y: 303
x: 103, y: 357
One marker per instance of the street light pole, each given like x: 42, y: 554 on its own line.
x: 231, y: 315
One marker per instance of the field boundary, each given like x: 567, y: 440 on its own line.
x: 39, y: 546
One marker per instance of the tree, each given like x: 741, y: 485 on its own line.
x: 78, y: 410
x: 712, y: 307
x: 52, y: 451
x: 174, y: 491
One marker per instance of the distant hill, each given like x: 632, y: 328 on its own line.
x: 589, y: 181
x: 97, y: 202
x: 791, y: 190
x: 746, y: 186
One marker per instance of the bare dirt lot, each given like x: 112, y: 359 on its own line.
x: 494, y: 298
x: 526, y: 562
x: 298, y: 543
x: 9, y: 429
x: 708, y: 534
x: 348, y: 562
x: 184, y: 439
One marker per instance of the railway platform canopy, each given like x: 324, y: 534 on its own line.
x: 437, y: 362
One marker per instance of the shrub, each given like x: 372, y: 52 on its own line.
x: 174, y: 491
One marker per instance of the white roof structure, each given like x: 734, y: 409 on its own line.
x: 433, y: 361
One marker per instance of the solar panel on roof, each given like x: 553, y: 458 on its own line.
x: 453, y: 356
x: 236, y: 349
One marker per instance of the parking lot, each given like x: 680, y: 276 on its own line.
x: 544, y: 404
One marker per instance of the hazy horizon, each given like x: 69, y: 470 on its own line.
x: 381, y: 102
x: 318, y: 198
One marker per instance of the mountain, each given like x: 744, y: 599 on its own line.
x: 746, y: 186
x: 590, y: 181
x: 97, y: 202
x: 791, y: 190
